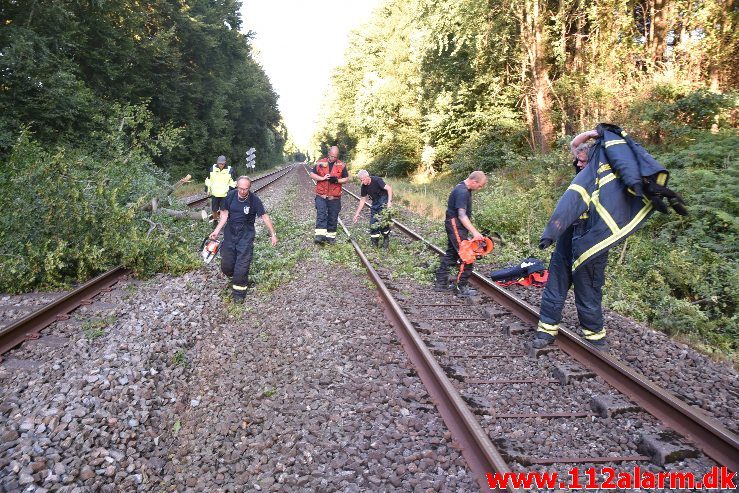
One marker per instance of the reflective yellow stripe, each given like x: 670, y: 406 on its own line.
x: 331, y: 234
x: 613, y: 238
x: 583, y: 193
x: 320, y: 232
x: 606, y: 179
x: 547, y: 328
x: 603, y: 213
x: 593, y: 336
x: 615, y: 142
x: 661, y: 178
x: 238, y: 288
x: 377, y: 235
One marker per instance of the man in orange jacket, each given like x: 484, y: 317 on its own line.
x: 330, y: 174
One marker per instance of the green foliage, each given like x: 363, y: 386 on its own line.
x: 269, y: 392
x: 180, y: 359
x: 72, y: 213
x: 93, y: 328
x: 704, y: 150
x: 64, y: 62
x: 674, y: 113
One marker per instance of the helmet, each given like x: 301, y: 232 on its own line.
x: 471, y: 250
x: 209, y: 249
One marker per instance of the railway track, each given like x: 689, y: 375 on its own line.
x: 476, y: 363
x: 30, y: 326
x: 198, y: 201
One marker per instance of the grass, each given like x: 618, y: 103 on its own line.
x: 94, y: 328
x: 180, y: 359
x: 269, y: 392
x: 425, y: 199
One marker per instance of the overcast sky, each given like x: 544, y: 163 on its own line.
x: 299, y: 42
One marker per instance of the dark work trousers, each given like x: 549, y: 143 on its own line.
x: 375, y: 209
x: 215, y: 203
x: 588, y: 286
x: 327, y: 217
x: 236, y: 254
x: 451, y: 257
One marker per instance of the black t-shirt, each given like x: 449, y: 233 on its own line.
x: 460, y: 198
x: 344, y: 172
x: 242, y: 212
x: 375, y: 189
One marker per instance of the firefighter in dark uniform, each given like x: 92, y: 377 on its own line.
x: 219, y: 182
x: 329, y: 174
x: 616, y: 188
x: 458, y: 225
x: 238, y: 213
x: 382, y: 196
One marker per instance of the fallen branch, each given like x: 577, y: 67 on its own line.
x: 153, y: 226
x: 194, y: 215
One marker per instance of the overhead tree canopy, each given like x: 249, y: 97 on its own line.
x: 64, y: 63
x: 426, y: 84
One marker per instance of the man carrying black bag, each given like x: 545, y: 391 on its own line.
x: 617, y: 187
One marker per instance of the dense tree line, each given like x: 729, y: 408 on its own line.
x: 103, y: 104
x: 64, y: 65
x: 430, y: 83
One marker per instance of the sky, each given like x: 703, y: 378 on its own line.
x: 299, y: 42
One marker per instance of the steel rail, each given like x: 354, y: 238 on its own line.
x: 478, y: 451
x: 29, y: 327
x: 707, y: 433
x: 203, y: 199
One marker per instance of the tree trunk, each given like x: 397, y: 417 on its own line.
x: 533, y: 43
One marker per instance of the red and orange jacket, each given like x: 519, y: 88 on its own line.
x: 337, y: 170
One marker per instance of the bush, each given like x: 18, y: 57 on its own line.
x: 72, y: 213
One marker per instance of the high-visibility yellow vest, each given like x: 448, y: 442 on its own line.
x: 219, y: 181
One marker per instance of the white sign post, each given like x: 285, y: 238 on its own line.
x: 251, y: 158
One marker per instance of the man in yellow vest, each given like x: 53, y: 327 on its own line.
x: 221, y: 179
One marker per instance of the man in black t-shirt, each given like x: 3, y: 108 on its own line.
x: 382, y: 196
x: 458, y: 226
x: 238, y: 212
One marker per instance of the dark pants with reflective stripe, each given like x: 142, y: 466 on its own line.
x: 375, y: 209
x: 236, y: 255
x: 327, y: 216
x: 451, y: 257
x: 588, y: 286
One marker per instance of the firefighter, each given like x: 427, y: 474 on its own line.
x: 382, y: 197
x: 220, y: 181
x: 458, y: 225
x: 611, y: 196
x: 330, y: 174
x: 239, y: 210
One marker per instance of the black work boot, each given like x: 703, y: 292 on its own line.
x: 465, y: 291
x: 375, y: 242
x: 441, y: 286
x: 541, y: 340
x: 600, y: 345
x: 319, y: 240
x: 238, y: 300
x: 385, y: 241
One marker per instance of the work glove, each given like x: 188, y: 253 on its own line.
x: 545, y: 243
x: 608, y: 126
x: 333, y: 179
x: 656, y: 193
